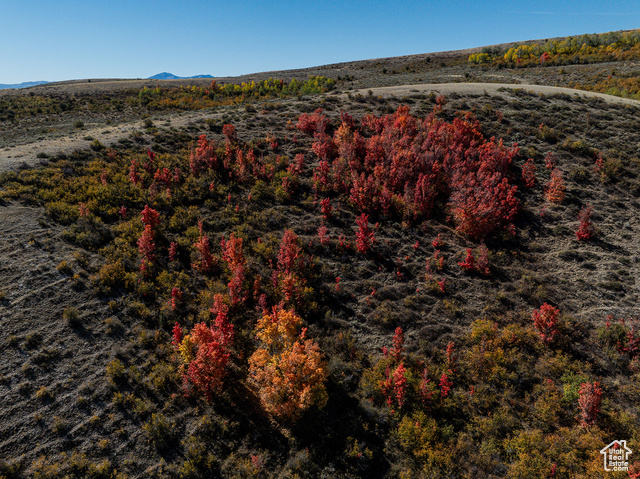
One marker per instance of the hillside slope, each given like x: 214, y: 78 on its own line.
x: 413, y: 354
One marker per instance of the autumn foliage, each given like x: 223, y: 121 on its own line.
x: 545, y: 321
x: 555, y: 188
x: 490, y: 391
x: 287, y: 369
x: 469, y: 262
x: 312, y: 123
x: 586, y: 230
x: 608, y: 47
x: 394, y: 385
x: 629, y: 342
x: 400, y: 166
x: 288, y: 277
x: 232, y: 254
x: 146, y: 242
x: 205, y: 260
x: 205, y: 352
x: 479, y: 263
x: 365, y: 235
x: 397, y: 350
x: 529, y: 173
x: 589, y: 402
x: 325, y: 204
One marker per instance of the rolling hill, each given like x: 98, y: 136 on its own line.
x: 421, y: 266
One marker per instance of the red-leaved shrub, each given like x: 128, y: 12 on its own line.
x: 399, y: 165
x: 589, y: 402
x: 365, y: 235
x: 204, y: 352
x: 288, y: 278
x: 469, y: 262
x: 529, y: 173
x: 586, y: 230
x: 311, y: 123
x: 233, y: 256
x: 545, y: 321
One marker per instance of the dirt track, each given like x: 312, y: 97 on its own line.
x: 494, y: 88
x: 26, y: 154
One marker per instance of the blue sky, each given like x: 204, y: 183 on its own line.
x: 71, y: 39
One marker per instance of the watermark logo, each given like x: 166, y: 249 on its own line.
x: 616, y: 456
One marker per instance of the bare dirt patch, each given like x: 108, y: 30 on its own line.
x: 26, y: 153
x: 54, y: 340
x: 493, y: 89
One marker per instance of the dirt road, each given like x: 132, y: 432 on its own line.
x: 493, y: 89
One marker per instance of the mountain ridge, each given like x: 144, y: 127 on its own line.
x: 171, y: 76
x: 158, y: 76
x: 26, y: 84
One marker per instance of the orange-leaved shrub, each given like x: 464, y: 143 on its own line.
x: 288, y: 369
x: 555, y: 189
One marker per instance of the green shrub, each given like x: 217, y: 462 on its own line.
x: 72, y: 317
x: 44, y: 394
x: 64, y: 267
x: 62, y: 213
x: 571, y: 386
x: 111, y: 277
x: 416, y: 434
x: 164, y: 376
x: 9, y: 470
x: 32, y: 340
x: 113, y: 325
x: 96, y: 145
x: 139, y: 310
x: 159, y: 430
x: 116, y: 373
x: 59, y: 425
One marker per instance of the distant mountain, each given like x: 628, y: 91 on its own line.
x: 171, y: 76
x: 22, y: 85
